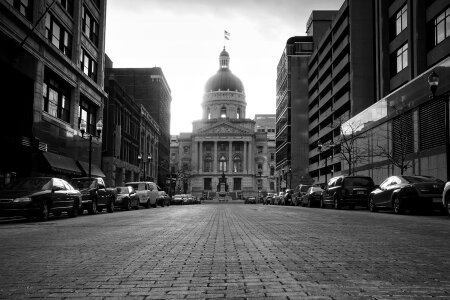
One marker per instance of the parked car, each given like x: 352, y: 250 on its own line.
x: 278, y: 199
x: 348, y: 191
x: 95, y: 195
x: 127, y: 198
x: 147, y: 192
x: 299, y: 191
x: 407, y: 192
x: 163, y: 199
x: 287, y: 198
x: 37, y: 197
x: 312, y: 197
x: 178, y: 199
x: 187, y: 199
x: 268, y: 198
x: 250, y: 200
x: 446, y: 198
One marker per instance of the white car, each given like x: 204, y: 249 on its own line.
x: 147, y: 192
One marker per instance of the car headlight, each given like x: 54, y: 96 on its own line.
x: 22, y: 200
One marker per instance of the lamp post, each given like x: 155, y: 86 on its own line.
x: 149, y: 158
x: 433, y: 83
x: 290, y: 177
x: 99, y: 127
x: 321, y: 147
x: 259, y: 186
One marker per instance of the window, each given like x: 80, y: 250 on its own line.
x: 237, y: 164
x: 88, y: 65
x: 400, y: 59
x: 67, y: 5
x: 442, y: 26
x: 24, y: 7
x: 58, y: 35
x: 209, y: 114
x: 272, y: 185
x: 237, y: 184
x: 56, y: 96
x: 186, y: 149
x: 401, y: 20
x: 238, y: 114
x: 223, y: 164
x: 260, y: 166
x: 207, y: 186
x: 222, y: 146
x: 88, y: 113
x: 272, y: 171
x: 260, y: 149
x: 185, y: 167
x: 272, y: 156
x: 90, y: 26
x: 207, y: 164
x: 223, y: 112
x: 237, y: 147
x: 208, y: 147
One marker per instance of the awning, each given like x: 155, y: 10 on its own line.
x: 63, y: 164
x: 95, y: 170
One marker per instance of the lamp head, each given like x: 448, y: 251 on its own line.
x: 99, y: 127
x: 83, y: 126
x: 433, y: 82
x: 149, y: 157
x: 139, y: 156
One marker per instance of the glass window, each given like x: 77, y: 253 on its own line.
x: 401, y: 20
x: 58, y: 35
x: 88, y: 113
x: 24, y: 7
x: 442, y: 26
x: 67, y: 5
x: 223, y: 112
x: 400, y: 59
x: 56, y: 96
x: 237, y: 164
x: 88, y: 65
x: 272, y: 171
x: 223, y: 164
x: 237, y: 184
x: 90, y: 26
x: 207, y: 184
x: 207, y: 164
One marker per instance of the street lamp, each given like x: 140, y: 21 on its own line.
x: 259, y: 185
x: 149, y: 158
x: 99, y: 127
x: 433, y: 83
x: 290, y: 177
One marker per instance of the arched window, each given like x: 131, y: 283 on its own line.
x: 208, y: 114
x: 223, y: 112
x: 238, y: 115
x: 223, y: 163
x: 207, y: 164
x: 237, y: 164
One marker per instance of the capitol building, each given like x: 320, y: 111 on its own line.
x: 227, y: 154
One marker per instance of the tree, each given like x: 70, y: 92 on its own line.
x: 402, y: 138
x: 350, y: 143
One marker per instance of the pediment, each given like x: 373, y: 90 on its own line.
x: 224, y: 129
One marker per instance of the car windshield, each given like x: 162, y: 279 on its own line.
x: 83, y: 183
x: 31, y: 184
x: 138, y: 186
x: 316, y: 189
x: 358, y: 181
x: 418, y: 179
x: 304, y: 188
x: 122, y: 190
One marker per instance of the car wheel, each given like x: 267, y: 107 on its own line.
x: 43, y: 211
x: 372, y: 206
x: 74, y: 211
x: 93, y: 209
x: 147, y: 204
x: 80, y: 211
x: 128, y: 206
x: 337, y: 203
x: 110, y: 207
x: 398, y: 206
x: 309, y: 202
x: 154, y: 205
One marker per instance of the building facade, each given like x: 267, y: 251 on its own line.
x: 149, y: 88
x: 224, y: 153
x: 341, y: 81
x: 410, y: 120
x: 292, y: 141
x: 51, y: 69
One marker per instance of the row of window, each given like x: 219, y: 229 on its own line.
x: 57, y: 102
x: 223, y: 113
x: 237, y: 184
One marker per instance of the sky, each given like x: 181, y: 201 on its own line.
x: 185, y: 37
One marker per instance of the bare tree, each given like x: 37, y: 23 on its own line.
x: 351, y: 144
x: 402, y: 138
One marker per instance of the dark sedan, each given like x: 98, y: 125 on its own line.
x: 37, y: 197
x: 312, y: 197
x: 404, y: 192
x: 126, y: 198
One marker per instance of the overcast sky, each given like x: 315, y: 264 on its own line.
x: 185, y: 38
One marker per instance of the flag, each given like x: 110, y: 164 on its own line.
x: 226, y: 34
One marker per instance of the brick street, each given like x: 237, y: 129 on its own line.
x: 228, y: 251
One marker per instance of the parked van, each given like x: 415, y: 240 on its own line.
x: 147, y: 192
x: 348, y: 191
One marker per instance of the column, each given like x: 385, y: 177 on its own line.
x: 230, y: 159
x: 201, y: 157
x: 250, y: 158
x: 215, y: 158
x: 245, y: 158
x: 194, y: 156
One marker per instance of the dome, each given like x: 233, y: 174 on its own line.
x: 224, y: 80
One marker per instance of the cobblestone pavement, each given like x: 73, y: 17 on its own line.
x: 228, y: 251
